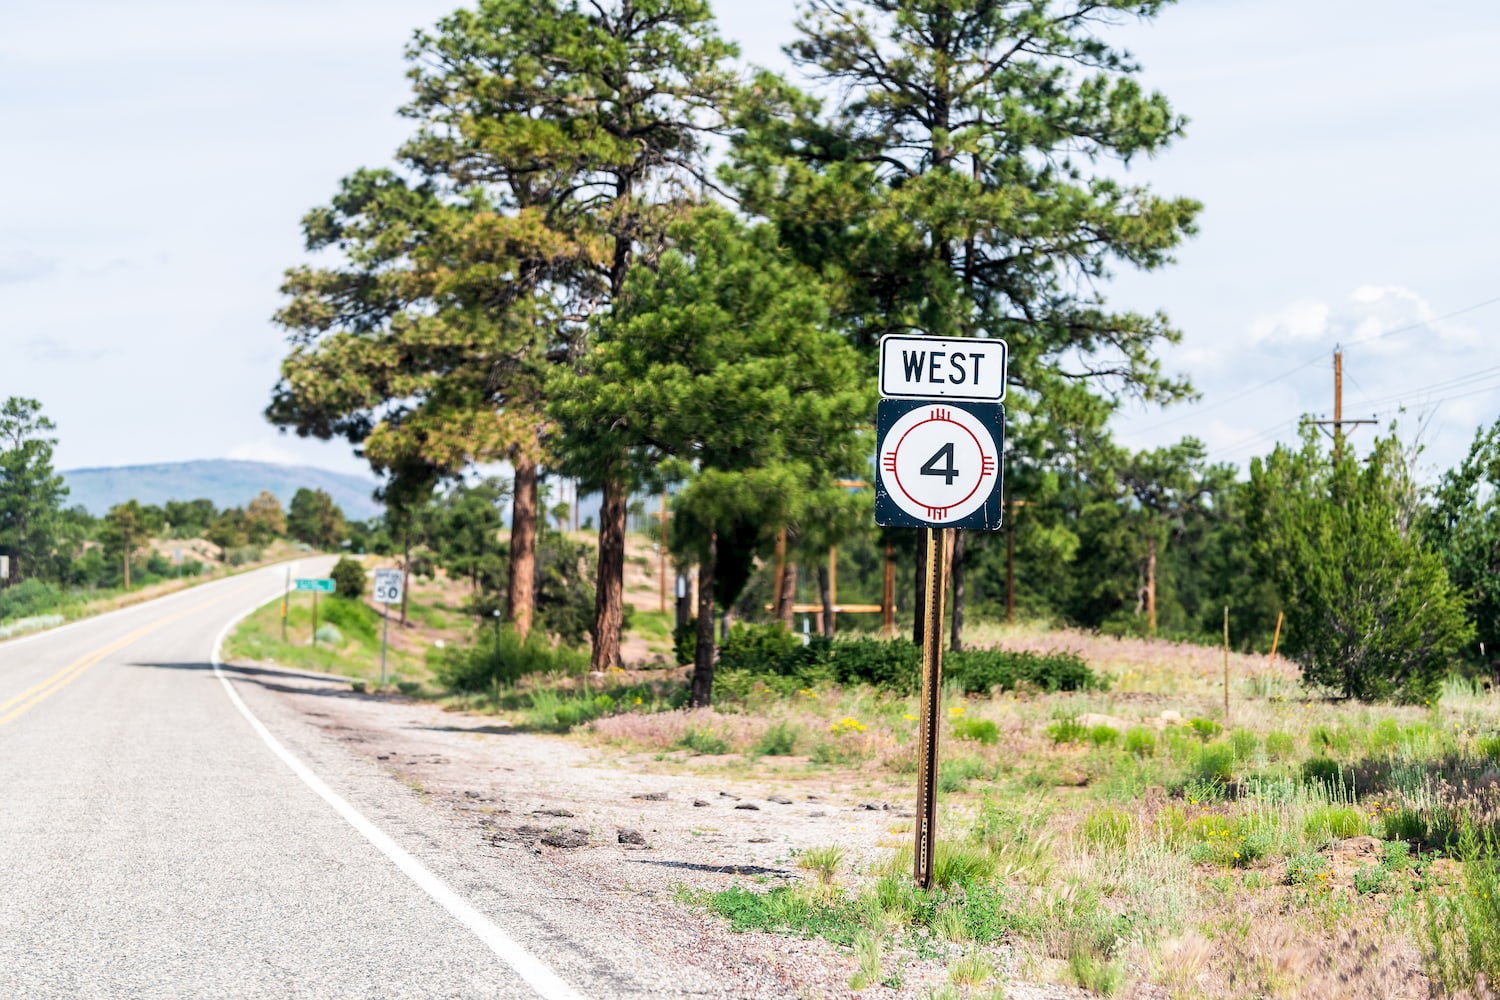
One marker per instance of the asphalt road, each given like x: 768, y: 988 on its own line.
x: 165, y: 832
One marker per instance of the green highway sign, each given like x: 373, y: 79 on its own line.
x: 316, y: 585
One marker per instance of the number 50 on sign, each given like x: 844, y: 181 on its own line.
x: 938, y: 464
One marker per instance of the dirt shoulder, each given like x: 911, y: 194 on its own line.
x: 619, y: 836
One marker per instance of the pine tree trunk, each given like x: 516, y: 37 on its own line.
x: 523, y: 514
x: 1151, y: 586
x: 609, y: 588
x: 825, y: 594
x: 703, y: 658
x: 787, y: 599
x: 405, y: 571
x: 957, y: 569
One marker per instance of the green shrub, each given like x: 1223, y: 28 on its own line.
x: 1336, y: 822
x: 685, y: 642
x: 778, y: 741
x: 704, y: 741
x: 1330, y: 740
x: 1407, y: 826
x: 1395, y: 855
x: 756, y: 648
x: 1280, y: 746
x: 1383, y: 737
x: 1107, y: 829
x: 891, y: 664
x: 1372, y: 879
x: 353, y: 618
x: 980, y: 730
x: 1328, y: 773
x: 1104, y: 736
x: 955, y: 773
x: 1489, y: 746
x: 495, y: 661
x: 348, y: 578
x: 1304, y: 869
x: 980, y: 671
x: 1205, y: 729
x: 1212, y: 762
x: 1067, y: 730
x: 29, y: 598
x: 1140, y: 741
x: 329, y: 635
x: 1245, y: 744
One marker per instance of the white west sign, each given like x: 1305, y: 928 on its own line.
x: 966, y: 368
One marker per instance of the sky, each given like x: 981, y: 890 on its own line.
x: 158, y: 156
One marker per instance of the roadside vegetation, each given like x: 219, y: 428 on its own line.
x: 546, y: 277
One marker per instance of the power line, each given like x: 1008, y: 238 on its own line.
x: 1491, y: 385
x: 1241, y: 394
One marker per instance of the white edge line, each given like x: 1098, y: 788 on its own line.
x: 537, y: 975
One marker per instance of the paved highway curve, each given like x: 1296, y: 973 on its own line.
x: 169, y: 830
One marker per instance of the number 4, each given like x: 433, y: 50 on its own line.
x: 946, y: 470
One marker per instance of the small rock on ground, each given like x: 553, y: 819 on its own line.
x: 748, y: 805
x: 651, y: 796
x: 565, y: 838
x: 632, y: 837
x: 781, y: 800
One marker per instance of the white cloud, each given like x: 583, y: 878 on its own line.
x: 1302, y: 319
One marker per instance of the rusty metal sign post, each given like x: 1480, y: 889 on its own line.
x: 940, y: 430
x: 930, y: 712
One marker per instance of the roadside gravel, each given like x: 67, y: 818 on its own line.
x: 597, y: 848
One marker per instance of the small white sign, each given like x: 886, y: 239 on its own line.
x: 388, y: 586
x: 968, y: 368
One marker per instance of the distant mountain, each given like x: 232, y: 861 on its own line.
x: 227, y: 482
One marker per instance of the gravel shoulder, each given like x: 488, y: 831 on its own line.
x: 579, y: 853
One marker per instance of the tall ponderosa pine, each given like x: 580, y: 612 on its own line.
x: 954, y: 192
x: 426, y: 344
x: 717, y: 370
x: 31, y: 494
x: 557, y: 132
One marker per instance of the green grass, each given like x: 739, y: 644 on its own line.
x: 259, y: 638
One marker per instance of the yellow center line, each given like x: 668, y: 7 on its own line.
x: 45, y: 689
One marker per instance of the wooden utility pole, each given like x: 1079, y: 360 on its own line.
x: 888, y: 594
x: 662, y: 560
x: 1338, y: 420
x: 1226, y: 664
x: 1010, y: 562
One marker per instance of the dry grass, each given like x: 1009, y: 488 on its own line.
x: 1166, y: 869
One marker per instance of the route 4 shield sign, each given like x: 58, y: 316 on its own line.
x: 938, y: 464
x: 388, y: 586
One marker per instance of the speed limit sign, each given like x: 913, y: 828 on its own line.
x: 938, y: 464
x: 388, y: 586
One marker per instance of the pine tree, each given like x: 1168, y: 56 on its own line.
x: 954, y: 191
x: 716, y: 371
x: 31, y: 494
